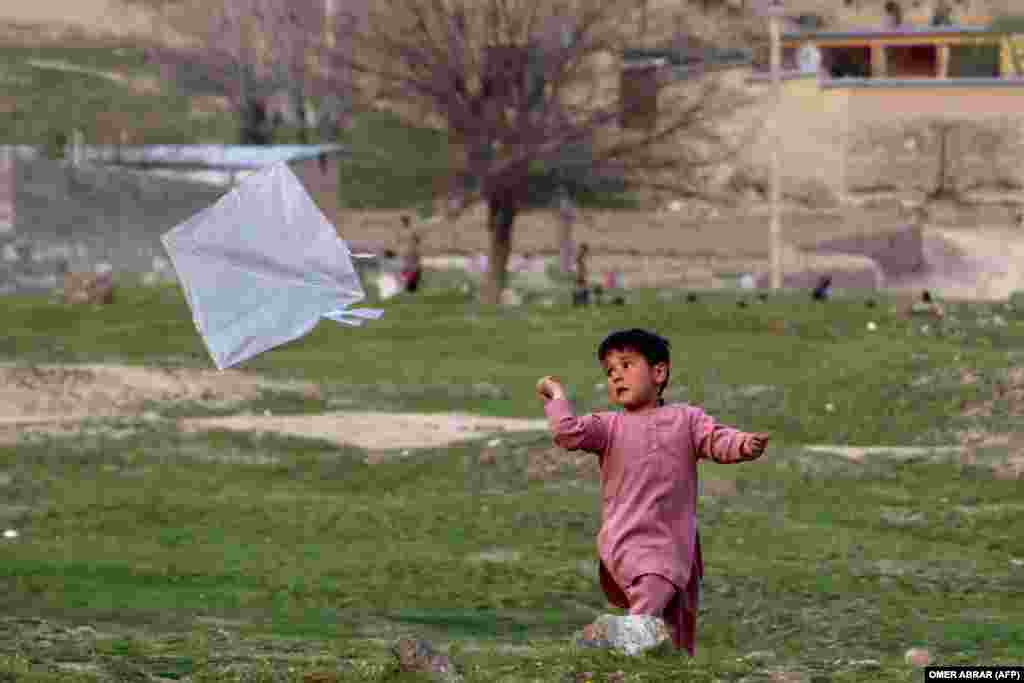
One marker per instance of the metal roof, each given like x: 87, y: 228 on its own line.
x: 206, y: 156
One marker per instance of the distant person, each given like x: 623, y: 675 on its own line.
x: 411, y: 264
x: 581, y: 295
x: 928, y: 306
x: 821, y: 292
x: 567, y: 218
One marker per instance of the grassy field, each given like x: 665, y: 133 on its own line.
x: 141, y: 556
x: 314, y: 561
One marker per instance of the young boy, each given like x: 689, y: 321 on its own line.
x: 648, y: 545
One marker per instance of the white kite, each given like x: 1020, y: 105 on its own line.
x: 261, y: 266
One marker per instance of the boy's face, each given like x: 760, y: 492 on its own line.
x: 632, y: 382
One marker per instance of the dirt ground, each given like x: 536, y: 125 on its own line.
x: 55, y: 399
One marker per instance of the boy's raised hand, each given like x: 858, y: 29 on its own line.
x: 549, y: 388
x: 755, y: 445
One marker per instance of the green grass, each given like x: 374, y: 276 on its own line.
x: 48, y: 101
x: 315, y: 547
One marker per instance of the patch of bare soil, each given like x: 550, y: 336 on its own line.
x: 48, y: 393
x: 976, y: 442
x: 373, y: 431
x: 1010, y: 391
x: 977, y: 264
x: 53, y: 398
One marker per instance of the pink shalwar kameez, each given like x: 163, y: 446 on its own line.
x: 649, y: 503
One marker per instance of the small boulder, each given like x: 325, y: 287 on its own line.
x: 415, y: 655
x: 631, y: 634
x: 918, y: 657
x: 88, y: 288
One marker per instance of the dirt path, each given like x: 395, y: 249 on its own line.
x: 976, y: 264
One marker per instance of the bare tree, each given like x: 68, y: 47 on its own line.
x: 250, y: 49
x: 517, y: 83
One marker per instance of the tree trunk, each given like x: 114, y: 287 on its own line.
x: 500, y: 217
x: 942, y: 189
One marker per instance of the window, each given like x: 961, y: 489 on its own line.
x: 915, y: 61
x: 847, y: 62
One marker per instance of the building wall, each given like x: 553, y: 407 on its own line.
x: 816, y: 122
x: 810, y: 124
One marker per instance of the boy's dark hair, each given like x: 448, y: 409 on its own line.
x: 653, y: 348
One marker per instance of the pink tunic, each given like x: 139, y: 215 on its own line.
x: 649, y: 494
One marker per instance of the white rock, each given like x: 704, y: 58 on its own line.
x: 493, y: 443
x: 267, y: 413
x: 917, y: 657
x: 10, y: 533
x: 872, y: 326
x: 830, y: 408
x: 103, y: 268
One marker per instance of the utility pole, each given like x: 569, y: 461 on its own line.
x: 774, y: 11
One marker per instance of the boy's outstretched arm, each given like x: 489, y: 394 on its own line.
x: 724, y: 444
x: 587, y: 433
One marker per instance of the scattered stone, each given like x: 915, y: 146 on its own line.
x: 918, y: 657
x: 718, y: 487
x: 416, y: 655
x: 760, y: 655
x: 510, y: 297
x: 631, y: 634
x: 88, y: 288
x: 864, y: 663
x: 496, y: 555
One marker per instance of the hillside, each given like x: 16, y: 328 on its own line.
x: 168, y: 21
